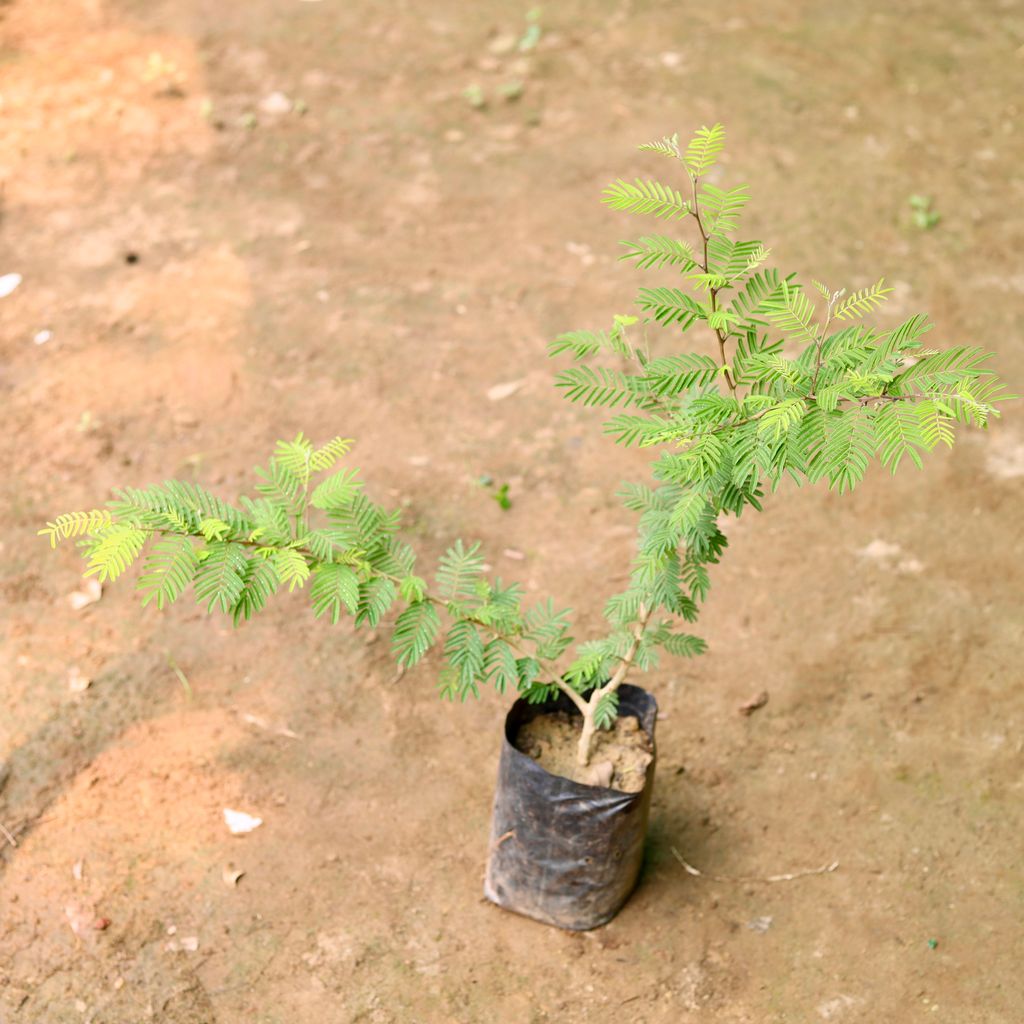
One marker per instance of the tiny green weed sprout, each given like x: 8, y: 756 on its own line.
x: 532, y: 33
x: 502, y: 498
x: 474, y: 95
x: 779, y: 383
x: 922, y: 213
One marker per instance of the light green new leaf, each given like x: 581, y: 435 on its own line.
x: 214, y: 529
x: 777, y: 421
x: 295, y: 457
x: 650, y: 197
x: 291, y: 568
x: 703, y: 149
x: 327, y: 455
x: 657, y: 251
x: 412, y: 588
x: 667, y: 146
x: 863, y: 302
x: 589, y: 665
x: 75, y: 524
x: 113, y: 550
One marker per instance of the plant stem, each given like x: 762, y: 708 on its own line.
x: 820, y: 342
x: 589, y: 710
x: 713, y: 292
x: 496, y: 633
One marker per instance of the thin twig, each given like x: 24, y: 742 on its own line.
x: 7, y: 835
x: 825, y: 869
x: 510, y: 834
x: 182, y: 678
x: 713, y: 292
x: 819, y: 343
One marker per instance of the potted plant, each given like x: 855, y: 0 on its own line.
x: 791, y: 387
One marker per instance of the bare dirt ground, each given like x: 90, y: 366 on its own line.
x: 218, y: 271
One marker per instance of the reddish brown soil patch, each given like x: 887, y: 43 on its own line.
x: 372, y: 265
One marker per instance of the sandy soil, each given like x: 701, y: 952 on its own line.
x: 218, y: 270
x: 619, y: 755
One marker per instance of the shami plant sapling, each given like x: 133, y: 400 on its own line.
x: 780, y: 381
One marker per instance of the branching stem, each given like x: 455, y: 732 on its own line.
x: 589, y: 708
x: 494, y: 632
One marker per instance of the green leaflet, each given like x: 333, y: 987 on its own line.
x: 415, y: 632
x: 75, y: 524
x: 113, y: 549
x: 599, y: 386
x: 674, y: 374
x: 337, y: 490
x: 376, y: 596
x: 459, y: 572
x: 464, y: 649
x: 666, y: 146
x: 863, y: 302
x: 500, y: 666
x: 671, y: 306
x: 259, y: 584
x: 291, y: 567
x: 220, y: 578
x: 659, y: 251
x: 335, y: 590
x: 684, y: 645
x: 649, y: 197
x: 607, y: 710
x: 169, y: 570
x: 722, y: 207
x: 703, y: 149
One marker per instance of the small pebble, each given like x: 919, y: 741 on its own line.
x: 8, y: 283
x: 276, y: 103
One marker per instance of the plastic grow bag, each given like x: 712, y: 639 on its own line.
x: 562, y: 852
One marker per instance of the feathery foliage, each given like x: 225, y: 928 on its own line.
x: 792, y: 384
